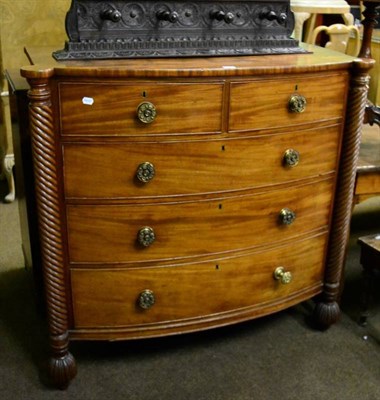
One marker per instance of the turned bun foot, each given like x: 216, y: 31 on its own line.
x: 62, y: 370
x: 326, y: 314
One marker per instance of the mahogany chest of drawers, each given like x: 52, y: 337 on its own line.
x: 179, y: 195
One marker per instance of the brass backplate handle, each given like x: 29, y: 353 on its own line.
x: 145, y: 172
x: 146, y: 299
x: 297, y: 103
x: 146, y: 236
x: 291, y: 158
x: 146, y: 112
x: 283, y: 276
x: 287, y: 216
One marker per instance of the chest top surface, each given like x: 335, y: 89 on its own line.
x: 317, y: 59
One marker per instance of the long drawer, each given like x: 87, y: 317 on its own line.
x: 264, y: 104
x: 179, y: 167
x: 160, y: 231
x: 111, y: 297
x: 112, y: 109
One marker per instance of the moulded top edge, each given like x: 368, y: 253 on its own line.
x: 317, y: 59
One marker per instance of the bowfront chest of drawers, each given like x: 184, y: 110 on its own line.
x: 183, y: 194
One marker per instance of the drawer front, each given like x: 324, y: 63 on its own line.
x: 107, y: 234
x: 111, y: 109
x: 193, y: 167
x: 110, y: 298
x: 264, y: 104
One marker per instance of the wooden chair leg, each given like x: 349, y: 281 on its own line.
x: 370, y: 260
x: 366, y: 294
x: 372, y: 114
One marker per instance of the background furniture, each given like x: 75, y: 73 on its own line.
x: 6, y: 147
x: 339, y: 37
x: 18, y: 89
x: 368, y: 175
x: 368, y: 170
x: 308, y: 10
x: 372, y: 115
x: 23, y: 22
x: 370, y: 260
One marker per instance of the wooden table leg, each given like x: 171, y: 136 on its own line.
x: 370, y: 260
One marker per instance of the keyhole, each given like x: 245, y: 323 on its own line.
x: 296, y: 88
x: 216, y: 266
x: 144, y: 94
x: 223, y: 148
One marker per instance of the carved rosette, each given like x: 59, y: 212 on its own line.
x: 62, y: 366
x: 327, y: 310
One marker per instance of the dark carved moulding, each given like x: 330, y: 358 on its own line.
x: 99, y: 29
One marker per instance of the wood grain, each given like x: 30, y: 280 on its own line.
x: 263, y: 103
x: 107, y: 234
x: 107, y: 298
x: 107, y: 170
x: 186, y: 107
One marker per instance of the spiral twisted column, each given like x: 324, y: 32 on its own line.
x: 327, y: 311
x: 62, y: 366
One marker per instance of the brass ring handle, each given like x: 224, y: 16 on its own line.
x: 287, y: 216
x: 145, y: 172
x: 283, y: 276
x: 146, y: 112
x: 146, y: 299
x: 291, y: 158
x: 297, y: 103
x: 146, y: 236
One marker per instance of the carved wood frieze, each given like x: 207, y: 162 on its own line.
x: 146, y: 28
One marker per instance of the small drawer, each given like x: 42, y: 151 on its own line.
x: 265, y: 104
x: 166, y: 231
x: 114, y: 109
x: 154, y: 169
x: 158, y: 295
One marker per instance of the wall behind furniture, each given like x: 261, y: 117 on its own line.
x: 374, y: 86
x: 30, y: 23
x: 23, y: 23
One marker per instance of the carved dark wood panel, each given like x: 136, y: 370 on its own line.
x: 146, y: 28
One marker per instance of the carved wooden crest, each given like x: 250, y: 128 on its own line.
x: 99, y: 29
